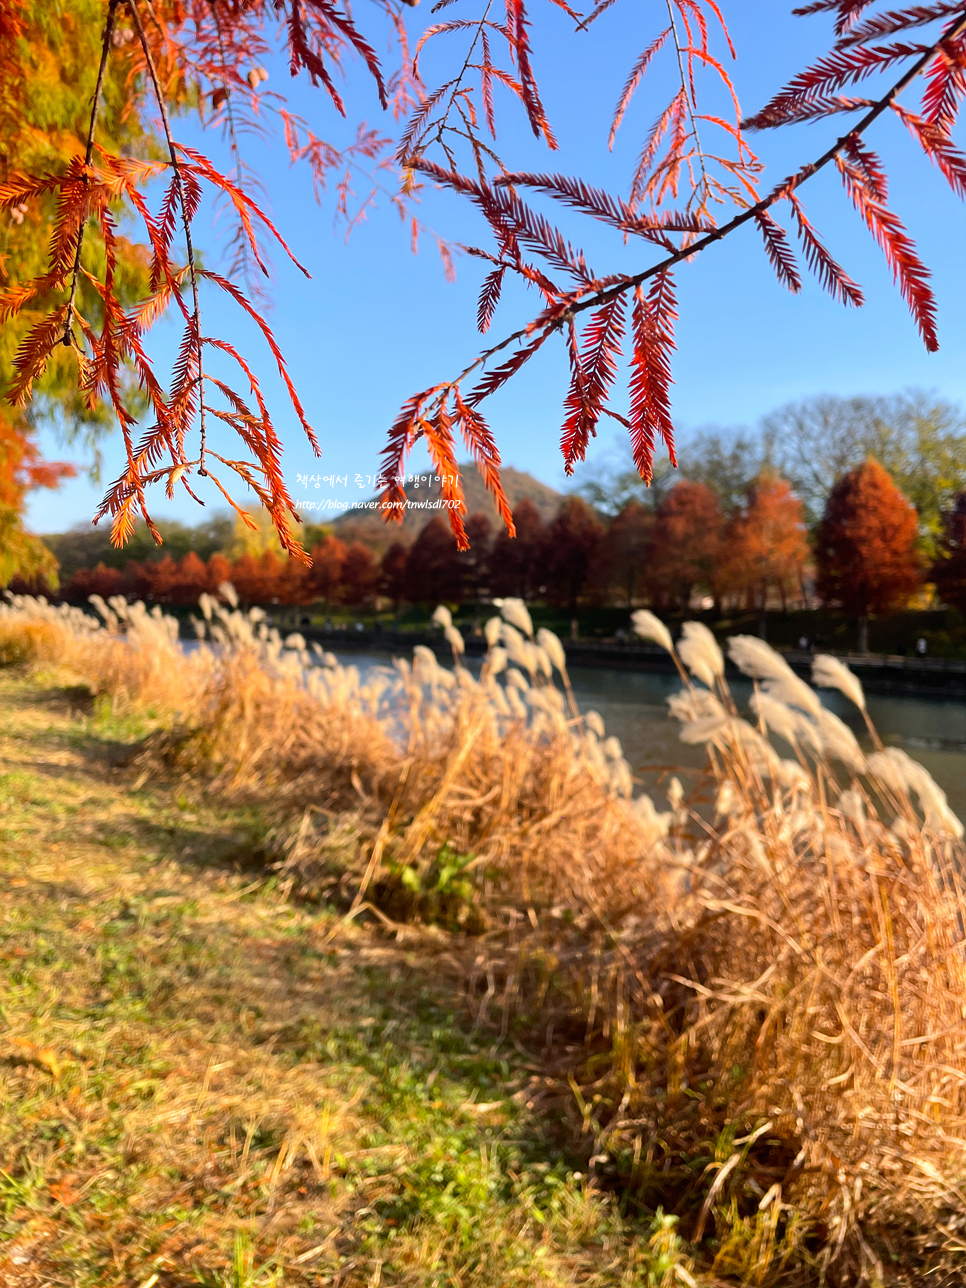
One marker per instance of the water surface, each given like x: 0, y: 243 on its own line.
x: 633, y: 705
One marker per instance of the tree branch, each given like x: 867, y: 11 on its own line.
x: 88, y: 154
x: 186, y: 223
x: 778, y: 193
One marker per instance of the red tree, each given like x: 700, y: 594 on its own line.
x: 475, y: 562
x: 866, y: 546
x: 949, y: 570
x: 101, y: 581
x: 572, y: 544
x: 191, y: 580
x: 392, y: 574
x: 685, y: 545
x: 360, y: 575
x: 517, y: 564
x: 218, y: 571
x: 325, y: 576
x: 433, y: 569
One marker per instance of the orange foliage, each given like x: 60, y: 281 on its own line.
x: 765, y: 546
x: 866, y: 544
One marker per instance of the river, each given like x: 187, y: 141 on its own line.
x: 633, y: 705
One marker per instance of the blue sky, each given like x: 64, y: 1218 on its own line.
x: 375, y: 323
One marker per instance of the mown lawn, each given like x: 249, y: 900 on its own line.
x: 204, y: 1081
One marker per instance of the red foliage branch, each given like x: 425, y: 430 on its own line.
x: 809, y: 94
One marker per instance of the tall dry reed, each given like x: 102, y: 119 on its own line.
x: 759, y: 1005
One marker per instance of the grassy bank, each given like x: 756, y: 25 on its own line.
x: 205, y: 1081
x: 412, y: 959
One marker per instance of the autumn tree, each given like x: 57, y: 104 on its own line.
x: 865, y: 548
x: 475, y: 562
x: 573, y: 540
x: 622, y: 554
x: 949, y: 570
x: 218, y: 572
x: 518, y: 563
x: 765, y: 546
x: 360, y: 575
x: 325, y: 575
x: 433, y: 568
x: 920, y: 440
x: 392, y: 574
x: 685, y: 545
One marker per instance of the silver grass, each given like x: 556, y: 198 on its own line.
x: 594, y: 723
x: 829, y: 673
x: 757, y: 659
x: 454, y: 639
x: 515, y: 612
x: 553, y: 648
x: 699, y: 651
x: 649, y: 627
x: 492, y: 631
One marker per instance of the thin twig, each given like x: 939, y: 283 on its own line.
x: 186, y: 223
x: 88, y: 154
x: 745, y: 216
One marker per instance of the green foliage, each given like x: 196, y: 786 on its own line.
x: 435, y: 891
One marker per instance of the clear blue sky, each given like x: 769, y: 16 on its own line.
x: 375, y: 323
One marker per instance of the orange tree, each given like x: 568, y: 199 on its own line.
x: 87, y: 308
x: 865, y: 547
x: 766, y: 544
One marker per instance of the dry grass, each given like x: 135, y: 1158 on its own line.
x: 201, y: 1083
x: 757, y: 1007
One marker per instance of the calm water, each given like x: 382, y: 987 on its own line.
x: 634, y: 707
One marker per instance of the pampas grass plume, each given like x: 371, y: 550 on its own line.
x: 553, y: 648
x: 515, y: 612
x: 829, y: 673
x: 649, y: 627
x: 699, y: 651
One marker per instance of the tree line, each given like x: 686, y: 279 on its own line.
x: 864, y: 555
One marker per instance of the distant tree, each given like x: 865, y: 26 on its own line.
x: 360, y: 575
x: 728, y: 462
x: 162, y: 579
x: 85, y: 582
x: 84, y: 546
x: 686, y: 545
x: 248, y: 578
x: 219, y: 570
x: 392, y: 574
x: 622, y: 554
x: 573, y: 540
x: 433, y: 568
x: 918, y: 439
x: 949, y: 570
x: 475, y: 562
x: 765, y: 547
x: 191, y: 580
x: 517, y: 565
x: 866, y: 546
x: 325, y: 575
